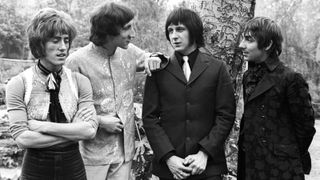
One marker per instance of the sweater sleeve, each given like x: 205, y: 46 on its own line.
x: 139, y: 55
x: 16, y: 107
x: 85, y: 97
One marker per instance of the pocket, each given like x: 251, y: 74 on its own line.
x: 286, y: 150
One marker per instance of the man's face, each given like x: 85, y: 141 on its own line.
x: 56, y: 52
x: 180, y: 39
x: 127, y: 33
x: 250, y: 50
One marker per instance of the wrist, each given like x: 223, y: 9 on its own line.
x: 43, y: 127
x: 203, y: 153
x: 169, y: 159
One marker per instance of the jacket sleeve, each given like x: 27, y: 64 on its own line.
x: 225, y: 109
x: 301, y: 111
x: 159, y: 141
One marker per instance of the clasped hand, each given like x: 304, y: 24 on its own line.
x: 111, y: 123
x: 192, y: 165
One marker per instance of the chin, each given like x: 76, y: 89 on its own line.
x: 124, y: 47
x: 179, y: 49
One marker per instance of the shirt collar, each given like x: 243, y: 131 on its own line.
x: 192, y: 57
x: 103, y: 52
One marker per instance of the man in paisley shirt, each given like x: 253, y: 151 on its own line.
x: 110, y: 61
x: 277, y: 126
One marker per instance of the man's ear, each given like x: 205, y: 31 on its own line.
x: 269, y: 46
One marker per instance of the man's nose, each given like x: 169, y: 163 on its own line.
x: 63, y: 46
x: 132, y: 33
x: 174, y: 35
x: 242, y: 44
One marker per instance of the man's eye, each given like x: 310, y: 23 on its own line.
x: 127, y: 27
x: 180, y: 29
x: 55, y: 40
x: 66, y: 40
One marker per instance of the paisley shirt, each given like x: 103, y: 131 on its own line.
x: 113, y: 82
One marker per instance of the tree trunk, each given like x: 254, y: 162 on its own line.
x: 222, y: 26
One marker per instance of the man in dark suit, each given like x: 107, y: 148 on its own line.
x: 189, y: 107
x: 277, y: 126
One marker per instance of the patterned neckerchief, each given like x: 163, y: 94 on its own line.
x: 253, y: 76
x: 53, y: 86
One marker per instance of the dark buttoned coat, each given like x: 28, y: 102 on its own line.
x: 277, y: 127
x: 182, y: 117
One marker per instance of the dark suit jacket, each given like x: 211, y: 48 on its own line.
x: 277, y: 127
x: 183, y: 116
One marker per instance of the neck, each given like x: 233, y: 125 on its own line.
x: 50, y: 67
x: 189, y: 50
x: 262, y: 59
x: 110, y: 48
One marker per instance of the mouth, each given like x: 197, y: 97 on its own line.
x: 62, y: 55
x: 176, y: 44
x: 245, y: 54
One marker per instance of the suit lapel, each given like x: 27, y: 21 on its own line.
x: 175, y: 69
x: 265, y: 84
x: 199, y: 66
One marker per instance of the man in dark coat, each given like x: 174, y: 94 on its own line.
x: 189, y: 107
x: 277, y: 126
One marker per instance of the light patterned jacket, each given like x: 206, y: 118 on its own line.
x: 113, y: 83
x: 27, y: 98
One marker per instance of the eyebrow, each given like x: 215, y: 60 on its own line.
x: 127, y: 25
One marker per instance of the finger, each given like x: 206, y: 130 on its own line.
x: 175, y: 177
x: 116, y: 120
x: 148, y: 72
x: 186, y: 169
x: 120, y: 126
x: 158, y: 63
x: 188, y: 160
x: 195, y: 171
x: 179, y: 176
x: 183, y: 175
x: 147, y: 65
x: 153, y: 66
x: 201, y: 171
x: 86, y: 117
x: 118, y: 130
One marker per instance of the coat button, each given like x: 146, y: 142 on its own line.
x: 188, y: 121
x: 188, y: 138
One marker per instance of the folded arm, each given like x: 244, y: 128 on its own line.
x: 84, y: 124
